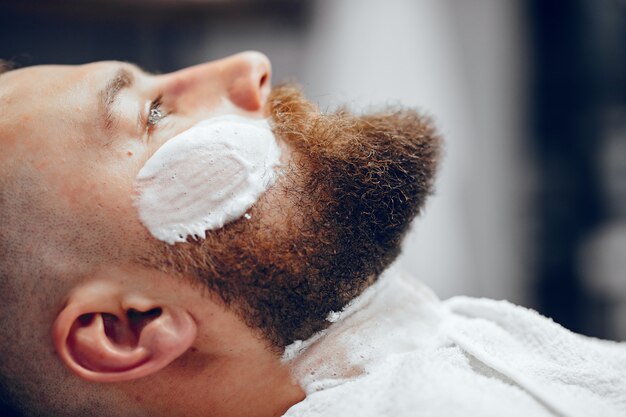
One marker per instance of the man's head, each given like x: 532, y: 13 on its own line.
x: 86, y: 287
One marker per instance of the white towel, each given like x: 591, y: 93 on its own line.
x: 398, y: 351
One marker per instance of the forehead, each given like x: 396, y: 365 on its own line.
x: 46, y: 82
x: 41, y: 101
x: 51, y: 77
x: 46, y: 76
x: 25, y: 90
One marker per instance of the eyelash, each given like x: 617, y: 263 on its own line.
x: 155, y: 114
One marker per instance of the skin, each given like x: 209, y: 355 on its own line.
x: 196, y: 358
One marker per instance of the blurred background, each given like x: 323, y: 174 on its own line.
x: 529, y: 94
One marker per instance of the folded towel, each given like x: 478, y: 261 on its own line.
x: 398, y: 351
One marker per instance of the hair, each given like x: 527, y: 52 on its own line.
x: 6, y: 66
x: 353, y: 186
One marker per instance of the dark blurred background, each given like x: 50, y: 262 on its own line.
x: 530, y: 95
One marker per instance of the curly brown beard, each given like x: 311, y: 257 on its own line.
x: 332, y: 223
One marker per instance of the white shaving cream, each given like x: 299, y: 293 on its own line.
x: 206, y: 176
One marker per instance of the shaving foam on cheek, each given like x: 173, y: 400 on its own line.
x: 206, y: 176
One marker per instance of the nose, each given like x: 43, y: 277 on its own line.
x: 244, y: 79
x: 248, y: 78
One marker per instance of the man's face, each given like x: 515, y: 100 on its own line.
x: 74, y: 139
x: 83, y: 133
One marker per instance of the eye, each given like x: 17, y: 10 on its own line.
x: 155, y: 114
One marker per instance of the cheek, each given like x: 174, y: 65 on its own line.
x: 99, y: 189
x: 126, y: 159
x: 197, y: 189
x: 206, y: 177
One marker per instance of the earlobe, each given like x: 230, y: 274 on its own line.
x: 106, y: 336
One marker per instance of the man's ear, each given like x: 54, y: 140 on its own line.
x: 106, y: 334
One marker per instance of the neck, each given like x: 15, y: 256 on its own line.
x: 244, y: 384
x: 254, y: 386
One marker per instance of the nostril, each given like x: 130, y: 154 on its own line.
x: 263, y: 80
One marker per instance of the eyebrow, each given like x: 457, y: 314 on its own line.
x: 123, y: 78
